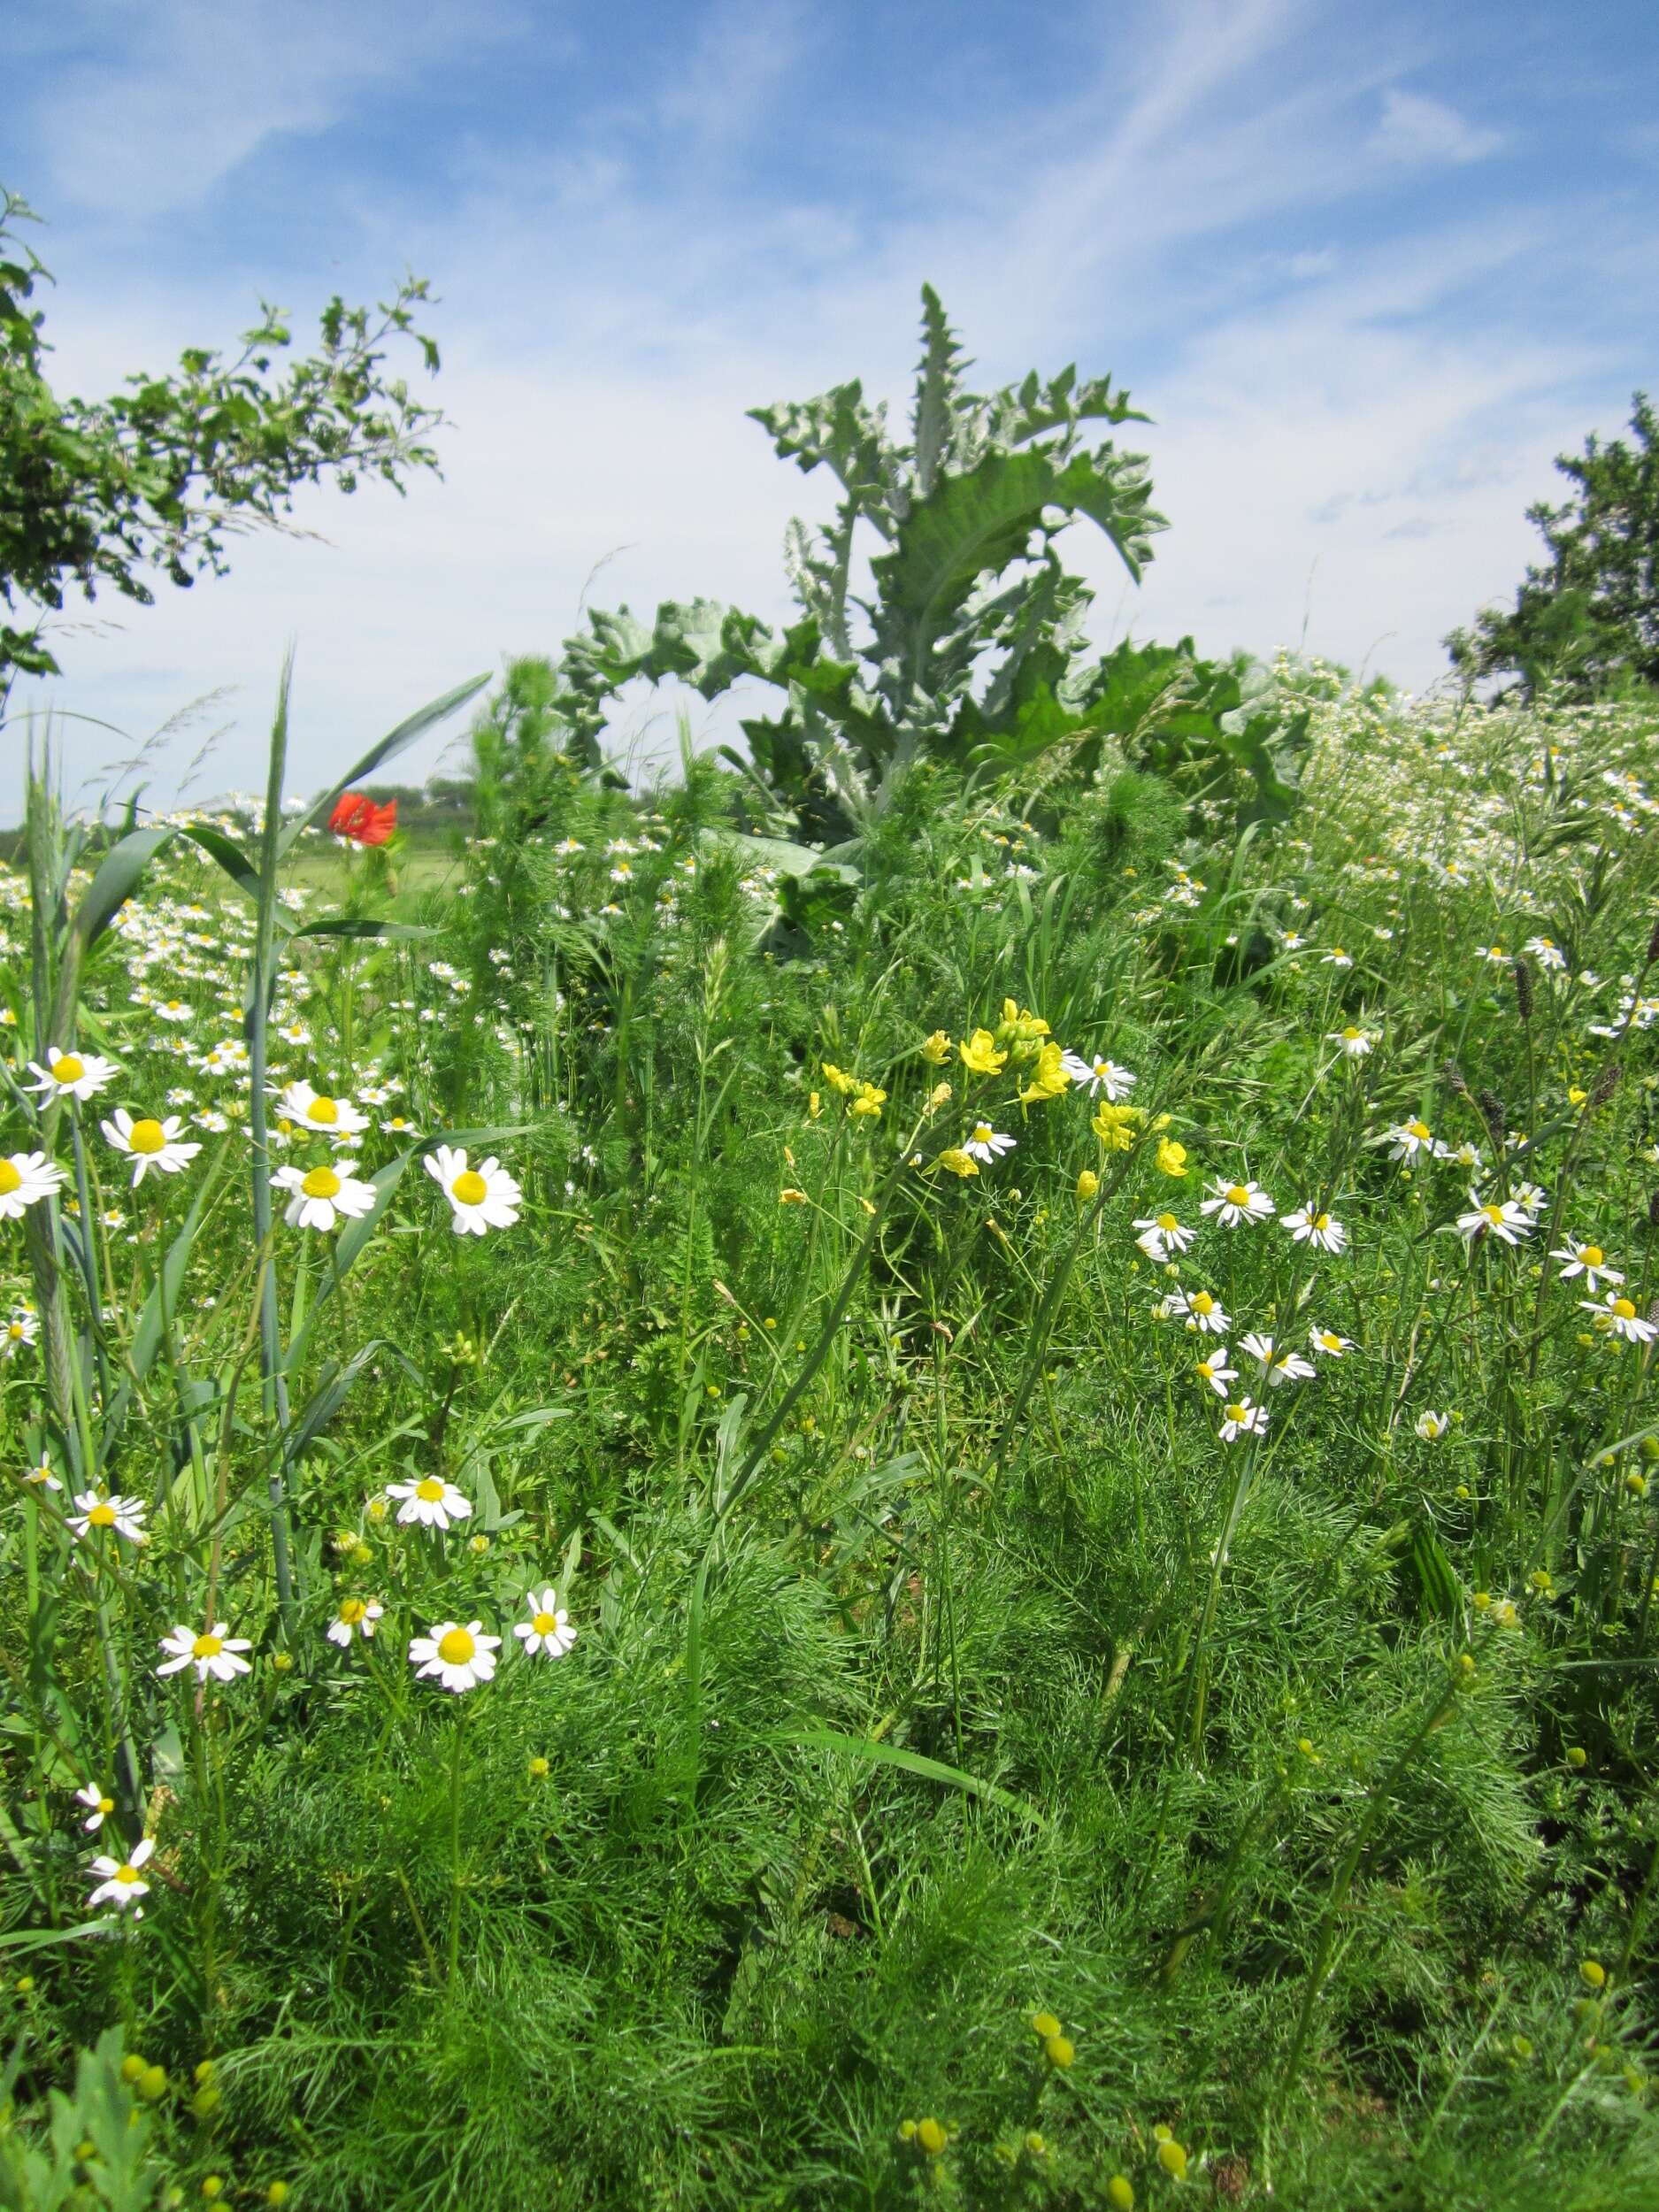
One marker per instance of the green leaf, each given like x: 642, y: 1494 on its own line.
x: 116, y: 880
x: 354, y: 926
x: 886, y: 1754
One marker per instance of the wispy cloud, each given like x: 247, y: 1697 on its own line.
x: 1414, y: 129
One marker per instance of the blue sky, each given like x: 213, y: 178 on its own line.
x: 1368, y: 268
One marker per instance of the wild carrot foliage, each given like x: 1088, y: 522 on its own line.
x: 988, y: 1533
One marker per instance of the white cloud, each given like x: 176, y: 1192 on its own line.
x: 1415, y: 129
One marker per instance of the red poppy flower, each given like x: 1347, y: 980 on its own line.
x: 356, y: 817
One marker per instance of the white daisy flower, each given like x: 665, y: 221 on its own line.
x: 984, y: 1143
x: 1431, y: 1426
x: 1548, y: 953
x: 460, y: 1657
x: 1588, y: 1260
x: 1162, y: 1234
x: 480, y: 1198
x: 323, y: 1196
x: 357, y: 1616
x: 1200, y: 1312
x: 71, y: 1074
x: 1234, y: 1203
x: 119, y: 1883
x: 22, y: 1329
x: 1328, y: 1342
x: 1308, y: 1227
x: 173, y: 1010
x: 213, y: 1651
x: 1279, y: 1366
x: 1100, y: 1075
x: 336, y: 1118
x: 1355, y: 1042
x: 41, y: 1476
x: 25, y: 1179
x: 125, y: 1515
x: 431, y: 1501
x: 549, y: 1627
x: 1619, y: 1315
x: 98, y: 1806
x: 1337, y: 958
x: 1533, y: 1196
x: 1405, y: 1139
x: 1498, y: 1218
x: 1241, y: 1418
x: 1213, y: 1369
x: 148, y: 1143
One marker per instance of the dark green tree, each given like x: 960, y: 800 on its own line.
x: 1588, y: 620
x: 155, y: 480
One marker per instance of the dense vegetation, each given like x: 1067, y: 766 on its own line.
x: 921, y: 1470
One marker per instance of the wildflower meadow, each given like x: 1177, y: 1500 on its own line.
x: 916, y: 1468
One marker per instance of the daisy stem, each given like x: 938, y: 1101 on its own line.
x: 455, y: 1836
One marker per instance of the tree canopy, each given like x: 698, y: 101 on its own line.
x: 154, y: 480
x: 1588, y: 620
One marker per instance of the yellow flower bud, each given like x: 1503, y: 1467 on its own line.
x: 931, y: 2136
x: 1172, y: 2158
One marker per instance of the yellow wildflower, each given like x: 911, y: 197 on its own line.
x: 1172, y: 1157
x: 1114, y: 1125
x: 980, y: 1055
x: 957, y: 1161
x: 1048, y: 1078
x: 839, y: 1080
x: 936, y: 1048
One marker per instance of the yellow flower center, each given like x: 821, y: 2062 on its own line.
x: 1419, y: 1130
x: 102, y: 1516
x: 1237, y: 1412
x: 544, y: 1624
x: 1329, y: 1338
x: 323, y: 1110
x: 1593, y: 1256
x: 70, y: 1069
x: 1625, y: 1309
x: 430, y: 1489
x: 456, y: 1647
x: 127, y: 1873
x: 1167, y: 1222
x: 207, y: 1647
x: 1322, y: 1221
x: 106, y: 1805
x: 1236, y: 1195
x: 147, y: 1136
x: 322, y: 1182
x: 469, y: 1187
x: 981, y: 1132
x: 1494, y: 1214
x: 1350, y: 1034
x: 10, y: 1180
x: 1337, y: 953
x: 1203, y: 1303
x: 351, y: 1611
